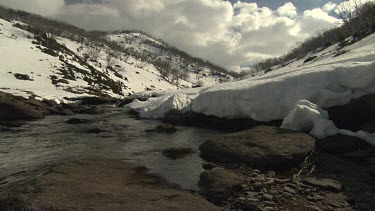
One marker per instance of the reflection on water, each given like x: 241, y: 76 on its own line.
x: 33, y: 149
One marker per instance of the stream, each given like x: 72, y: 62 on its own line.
x: 37, y: 146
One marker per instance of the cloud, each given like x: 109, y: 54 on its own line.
x: 228, y: 34
x: 329, y: 7
x: 288, y: 10
x: 43, y: 7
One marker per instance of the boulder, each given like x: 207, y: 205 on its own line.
x: 326, y: 184
x: 264, y: 147
x: 76, y: 121
x: 218, y: 184
x: 355, y: 114
x: 92, y: 110
x: 97, y: 100
x: 18, y: 108
x: 177, y: 153
x: 339, y: 144
x: 164, y: 128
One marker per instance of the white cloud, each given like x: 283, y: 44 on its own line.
x: 329, y: 7
x: 226, y: 34
x: 288, y: 10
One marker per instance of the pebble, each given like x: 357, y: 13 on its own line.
x: 287, y: 195
x: 289, y: 190
x: 271, y: 174
x: 268, y: 197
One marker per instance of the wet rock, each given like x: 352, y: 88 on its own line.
x: 19, y: 108
x: 177, y: 153
x: 355, y: 114
x: 95, y: 130
x: 97, y: 100
x: 207, y: 166
x: 164, y: 128
x: 342, y: 144
x: 92, y: 110
x: 264, y: 147
x: 10, y: 124
x: 326, y: 184
x: 100, y: 184
x: 76, y: 121
x: 216, y: 185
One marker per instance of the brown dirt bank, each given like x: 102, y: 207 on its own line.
x: 100, y: 184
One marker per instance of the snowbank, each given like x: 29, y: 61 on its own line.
x: 161, y: 106
x: 308, y: 117
x: 272, y: 97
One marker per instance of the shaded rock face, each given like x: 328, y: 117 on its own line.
x: 164, y: 128
x: 264, y: 147
x: 354, y: 115
x: 177, y: 153
x: 97, y: 100
x: 216, y: 185
x: 340, y: 144
x: 100, y: 184
x: 18, y: 108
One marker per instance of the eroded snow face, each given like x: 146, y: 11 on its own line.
x: 308, y: 117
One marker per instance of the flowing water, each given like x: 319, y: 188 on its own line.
x: 34, y: 148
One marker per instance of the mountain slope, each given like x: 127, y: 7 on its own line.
x: 39, y: 61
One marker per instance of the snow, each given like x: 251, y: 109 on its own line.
x: 160, y: 107
x: 303, y: 116
x: 329, y: 81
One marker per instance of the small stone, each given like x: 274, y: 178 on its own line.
x: 258, y: 186
x: 289, y: 190
x: 268, y: 197
x: 287, y: 195
x: 271, y: 174
x: 314, y: 208
x: 207, y: 166
x: 252, y: 200
x: 241, y: 198
x: 269, y: 203
x: 273, y: 192
x: 265, y: 190
x: 256, y: 171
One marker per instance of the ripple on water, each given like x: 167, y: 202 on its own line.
x: 40, y: 145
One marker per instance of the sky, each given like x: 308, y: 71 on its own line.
x: 233, y: 34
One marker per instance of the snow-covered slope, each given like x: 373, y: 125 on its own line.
x: 35, y: 63
x: 138, y: 43
x: 330, y: 80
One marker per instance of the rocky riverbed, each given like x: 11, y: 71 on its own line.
x: 49, y: 164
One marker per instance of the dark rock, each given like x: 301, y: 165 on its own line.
x: 369, y: 127
x: 218, y: 184
x: 310, y: 59
x: 65, y: 112
x: 49, y: 102
x: 355, y: 114
x: 76, y: 121
x: 164, y: 128
x: 92, y: 110
x: 200, y: 120
x: 95, y: 131
x: 326, y: 184
x: 125, y: 102
x: 97, y: 100
x: 342, y: 144
x: 64, y: 81
x: 265, y: 148
x: 207, y: 166
x: 18, y: 108
x: 177, y: 153
x: 10, y: 124
x: 23, y: 77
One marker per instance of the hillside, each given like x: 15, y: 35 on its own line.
x: 37, y: 61
x: 323, y: 79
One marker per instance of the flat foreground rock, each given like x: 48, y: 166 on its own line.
x: 265, y: 148
x: 100, y: 184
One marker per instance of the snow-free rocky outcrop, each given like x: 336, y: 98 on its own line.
x: 264, y: 147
